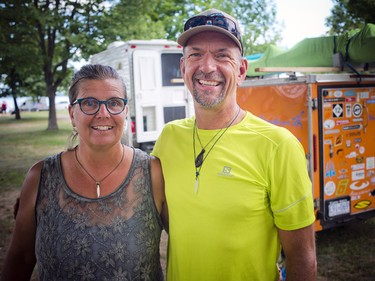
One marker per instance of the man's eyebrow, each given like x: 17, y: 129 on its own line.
x: 192, y: 48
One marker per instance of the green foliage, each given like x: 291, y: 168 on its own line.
x: 40, y: 38
x: 348, y: 15
x: 141, y: 19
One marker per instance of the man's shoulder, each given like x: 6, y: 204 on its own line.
x: 266, y: 131
x: 185, y: 123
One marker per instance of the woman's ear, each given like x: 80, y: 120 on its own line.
x: 71, y: 115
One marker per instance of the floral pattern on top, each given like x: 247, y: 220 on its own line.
x: 115, y: 237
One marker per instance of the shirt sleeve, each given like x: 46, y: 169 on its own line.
x: 290, y: 190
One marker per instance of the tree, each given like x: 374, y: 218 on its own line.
x: 60, y: 31
x: 348, y: 15
x: 18, y: 71
x: 142, y: 19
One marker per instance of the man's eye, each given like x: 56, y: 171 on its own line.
x: 195, y: 55
x: 221, y: 55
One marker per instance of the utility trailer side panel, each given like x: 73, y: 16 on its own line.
x: 333, y: 116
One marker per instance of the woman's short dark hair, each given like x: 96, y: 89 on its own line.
x: 93, y: 72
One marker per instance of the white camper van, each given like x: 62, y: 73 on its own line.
x: 156, y: 92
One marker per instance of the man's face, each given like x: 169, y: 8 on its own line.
x: 212, y: 68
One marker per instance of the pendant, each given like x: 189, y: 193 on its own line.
x: 199, y: 159
x: 98, y: 189
x: 196, y: 182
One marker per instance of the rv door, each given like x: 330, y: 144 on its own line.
x: 147, y: 95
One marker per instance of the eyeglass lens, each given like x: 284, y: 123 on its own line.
x: 92, y: 105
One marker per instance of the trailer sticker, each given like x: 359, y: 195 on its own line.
x: 362, y: 204
x: 348, y: 143
x: 337, y: 110
x: 350, y: 94
x: 342, y: 122
x: 342, y: 186
x: 338, y: 140
x: 358, y: 175
x: 330, y: 169
x: 352, y: 127
x: 358, y: 166
x: 348, y: 110
x: 335, y: 100
x: 370, y: 101
x: 354, y: 134
x: 356, y: 186
x: 335, y: 131
x: 337, y: 94
x: 352, y: 154
x: 359, y: 159
x: 329, y: 124
x: 361, y: 149
x: 329, y: 188
x: 357, y: 110
x: 370, y: 163
x: 364, y: 95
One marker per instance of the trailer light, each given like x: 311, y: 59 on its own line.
x: 133, y: 46
x: 167, y: 46
x: 132, y: 127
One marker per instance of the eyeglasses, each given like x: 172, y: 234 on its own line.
x: 216, y: 19
x: 91, y: 106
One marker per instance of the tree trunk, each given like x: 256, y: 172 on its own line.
x: 52, y: 119
x: 16, y: 108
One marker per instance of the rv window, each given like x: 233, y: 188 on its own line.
x: 170, y: 65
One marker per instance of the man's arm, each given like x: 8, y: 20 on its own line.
x: 300, y: 253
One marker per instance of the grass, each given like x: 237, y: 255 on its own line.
x: 344, y: 253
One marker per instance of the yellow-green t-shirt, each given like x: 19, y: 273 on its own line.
x: 252, y: 181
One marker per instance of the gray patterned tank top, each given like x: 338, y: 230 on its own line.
x: 111, y: 238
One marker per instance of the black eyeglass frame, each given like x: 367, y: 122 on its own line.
x: 216, y: 19
x: 100, y: 102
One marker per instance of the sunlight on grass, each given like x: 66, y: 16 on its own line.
x: 25, y: 141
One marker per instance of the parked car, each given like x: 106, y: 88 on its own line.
x: 30, y: 105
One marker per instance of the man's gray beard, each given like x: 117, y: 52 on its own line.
x: 203, y: 102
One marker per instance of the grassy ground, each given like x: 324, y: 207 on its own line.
x: 344, y: 253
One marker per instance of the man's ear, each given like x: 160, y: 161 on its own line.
x: 243, y: 71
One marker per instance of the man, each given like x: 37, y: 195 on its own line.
x: 237, y: 187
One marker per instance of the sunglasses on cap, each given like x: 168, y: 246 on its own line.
x: 216, y: 19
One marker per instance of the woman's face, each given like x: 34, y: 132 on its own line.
x: 103, y: 128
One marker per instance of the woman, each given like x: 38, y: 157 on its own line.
x: 95, y: 211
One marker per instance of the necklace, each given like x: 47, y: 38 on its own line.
x: 199, y: 160
x: 96, y: 181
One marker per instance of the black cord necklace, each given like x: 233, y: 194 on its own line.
x: 98, y: 182
x: 199, y: 160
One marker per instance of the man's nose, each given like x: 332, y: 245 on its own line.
x: 208, y: 63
